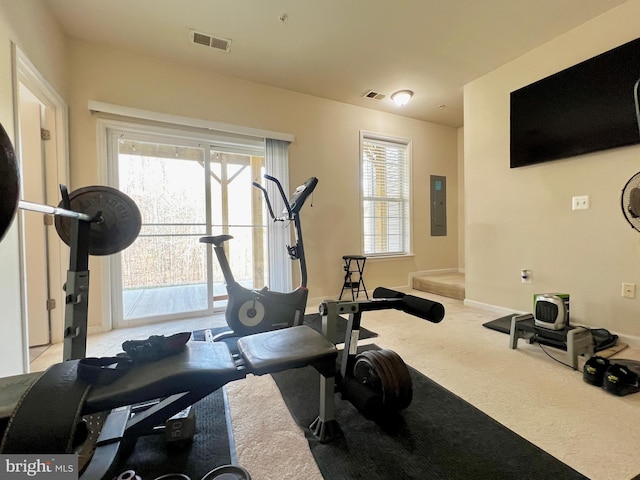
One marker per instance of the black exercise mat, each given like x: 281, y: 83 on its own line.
x: 502, y: 324
x: 314, y: 320
x: 439, y: 436
x: 151, y: 456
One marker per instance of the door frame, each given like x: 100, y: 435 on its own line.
x: 57, y: 158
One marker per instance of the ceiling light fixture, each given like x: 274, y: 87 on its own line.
x: 402, y: 97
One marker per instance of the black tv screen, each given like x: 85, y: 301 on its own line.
x: 585, y: 108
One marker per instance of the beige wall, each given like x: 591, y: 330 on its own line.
x: 27, y: 25
x: 522, y: 218
x: 326, y: 145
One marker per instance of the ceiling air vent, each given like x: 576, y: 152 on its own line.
x: 374, y: 95
x: 207, y: 40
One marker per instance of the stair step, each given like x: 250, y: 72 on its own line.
x: 449, y: 285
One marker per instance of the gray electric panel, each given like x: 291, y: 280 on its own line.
x: 438, y: 206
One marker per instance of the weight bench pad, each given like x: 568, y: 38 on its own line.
x: 278, y: 350
x: 200, y: 366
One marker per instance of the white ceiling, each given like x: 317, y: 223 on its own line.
x: 338, y: 49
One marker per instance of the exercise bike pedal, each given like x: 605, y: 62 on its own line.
x: 181, y: 428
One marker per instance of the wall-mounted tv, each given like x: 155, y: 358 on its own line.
x: 585, y: 108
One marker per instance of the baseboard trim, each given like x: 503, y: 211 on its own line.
x: 489, y: 307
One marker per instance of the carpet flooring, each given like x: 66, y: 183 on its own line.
x: 439, y: 436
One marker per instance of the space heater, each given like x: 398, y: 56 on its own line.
x: 551, y: 310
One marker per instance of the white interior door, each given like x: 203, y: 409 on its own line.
x: 33, y: 228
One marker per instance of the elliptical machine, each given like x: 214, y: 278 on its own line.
x: 252, y: 311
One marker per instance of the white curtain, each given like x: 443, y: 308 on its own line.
x: 277, y: 165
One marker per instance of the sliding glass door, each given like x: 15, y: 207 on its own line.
x: 185, y: 189
x: 237, y: 210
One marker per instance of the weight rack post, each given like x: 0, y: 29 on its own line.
x: 77, y: 293
x: 325, y: 427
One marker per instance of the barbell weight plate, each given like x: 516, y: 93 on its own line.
x: 9, y: 182
x: 390, y: 372
x: 365, y: 371
x: 402, y: 383
x: 387, y: 374
x: 120, y: 221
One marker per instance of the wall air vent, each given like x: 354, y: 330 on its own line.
x: 375, y: 95
x: 219, y: 43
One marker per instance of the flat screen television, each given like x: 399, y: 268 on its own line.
x: 585, y: 108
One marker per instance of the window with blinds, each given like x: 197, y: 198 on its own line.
x: 385, y: 194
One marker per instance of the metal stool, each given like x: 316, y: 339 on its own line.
x: 354, y: 267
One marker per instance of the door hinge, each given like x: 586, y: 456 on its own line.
x: 47, y: 219
x: 51, y: 304
x: 45, y: 134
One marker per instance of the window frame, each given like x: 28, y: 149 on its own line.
x: 407, y: 194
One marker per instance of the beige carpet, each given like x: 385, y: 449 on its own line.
x: 592, y: 431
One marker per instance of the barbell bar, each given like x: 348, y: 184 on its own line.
x: 49, y: 210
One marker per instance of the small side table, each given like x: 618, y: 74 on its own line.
x: 353, y: 276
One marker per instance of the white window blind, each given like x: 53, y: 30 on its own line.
x: 385, y: 195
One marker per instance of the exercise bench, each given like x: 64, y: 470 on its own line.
x: 37, y: 413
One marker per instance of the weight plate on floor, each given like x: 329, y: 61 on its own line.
x: 9, y: 182
x: 119, y: 223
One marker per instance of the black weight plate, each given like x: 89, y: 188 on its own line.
x: 369, y: 371
x: 120, y: 218
x: 387, y: 374
x: 365, y: 371
x: 401, y: 379
x: 387, y: 365
x: 9, y: 182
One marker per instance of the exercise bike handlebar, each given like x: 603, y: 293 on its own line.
x: 266, y: 198
x: 284, y: 197
x: 282, y: 194
x: 292, y: 205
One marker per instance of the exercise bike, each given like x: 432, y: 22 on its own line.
x: 252, y: 311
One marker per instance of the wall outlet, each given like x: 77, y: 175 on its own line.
x: 629, y: 290
x: 525, y: 276
x: 580, y: 202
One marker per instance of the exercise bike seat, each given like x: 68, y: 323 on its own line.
x: 216, y: 240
